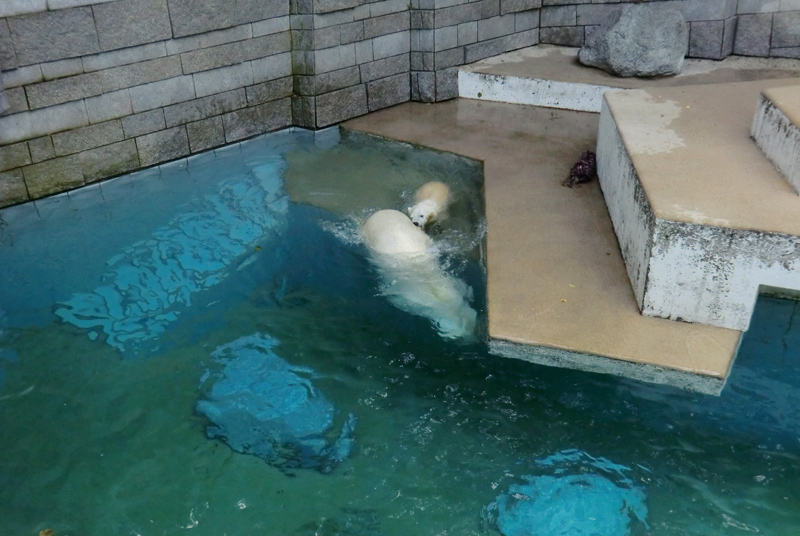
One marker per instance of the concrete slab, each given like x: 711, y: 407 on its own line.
x: 548, y: 75
x: 558, y: 293
x: 703, y: 219
x: 776, y: 130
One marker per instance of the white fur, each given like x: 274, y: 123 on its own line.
x: 411, y: 277
x: 431, y: 201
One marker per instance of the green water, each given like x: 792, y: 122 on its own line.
x: 100, y: 440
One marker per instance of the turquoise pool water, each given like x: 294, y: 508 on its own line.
x: 206, y: 346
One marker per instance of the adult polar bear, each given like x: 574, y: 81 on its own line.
x: 411, y: 277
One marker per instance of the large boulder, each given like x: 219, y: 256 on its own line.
x: 640, y: 40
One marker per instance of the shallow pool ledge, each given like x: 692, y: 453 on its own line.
x: 558, y: 291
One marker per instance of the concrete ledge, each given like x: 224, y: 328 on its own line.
x: 556, y: 357
x: 775, y: 130
x: 703, y: 220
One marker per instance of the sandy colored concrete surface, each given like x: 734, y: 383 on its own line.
x: 696, y: 161
x: 556, y: 277
x: 787, y: 99
x: 556, y: 63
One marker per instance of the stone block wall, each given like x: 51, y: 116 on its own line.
x: 717, y: 28
x: 97, y: 88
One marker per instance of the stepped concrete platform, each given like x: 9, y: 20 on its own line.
x: 558, y: 291
x: 704, y: 221
x: 776, y: 130
x: 548, y: 75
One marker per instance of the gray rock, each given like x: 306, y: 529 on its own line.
x: 640, y: 40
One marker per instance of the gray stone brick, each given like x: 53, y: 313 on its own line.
x: 233, y: 53
x: 68, y: 89
x: 791, y: 52
x: 728, y: 36
x: 493, y: 47
x: 449, y: 58
x: 423, y: 86
x: 41, y: 149
x: 327, y: 37
x: 223, y: 79
x: 514, y: 6
x: 304, y: 22
x: 14, y: 156
x: 595, y: 13
x: 109, y: 161
x: 565, y: 2
x: 790, y: 5
x: 385, y: 67
x: 109, y: 106
x: 12, y: 188
x: 209, y: 39
x: 701, y: 10
x: 11, y: 8
x: 203, y: 108
x: 130, y: 23
x: 85, y: 138
x: 786, y: 29
x: 326, y: 6
x: 17, y: 101
x: 391, y: 45
x: 162, y: 93
x: 388, y: 92
x: 388, y: 24
x: 446, y: 84
x: 334, y: 80
x: 304, y: 111
x: 753, y: 35
x: 483, y: 9
x: 61, y: 68
x: 341, y: 105
x: 758, y: 6
x: 162, y: 146
x: 197, y: 16
x: 385, y: 7
x: 54, y: 35
x: 495, y: 27
x: 41, y: 122
x: 364, y: 51
x: 526, y: 20
x: 23, y: 76
x: 272, y: 67
x: 255, y: 120
x: 352, y: 32
x: 468, y: 32
x: 445, y: 38
x: 53, y: 176
x: 305, y: 85
x: 144, y: 123
x: 571, y: 36
x: 321, y: 20
x: 8, y: 58
x: 140, y: 73
x: 705, y: 39
x: 206, y: 134
x: 116, y: 58
x: 269, y: 91
x: 334, y: 58
x: 271, y: 26
x: 301, y: 6
x: 424, y: 20
x: 303, y: 62
x: 421, y: 61
x: 558, y: 16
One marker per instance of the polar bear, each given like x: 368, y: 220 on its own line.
x: 391, y: 232
x: 411, y: 277
x: 431, y: 201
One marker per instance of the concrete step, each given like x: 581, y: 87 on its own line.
x: 776, y: 130
x: 551, y: 76
x: 704, y: 221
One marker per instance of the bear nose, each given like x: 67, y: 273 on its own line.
x: 416, y: 223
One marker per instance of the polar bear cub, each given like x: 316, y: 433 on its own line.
x: 391, y: 232
x: 431, y: 201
